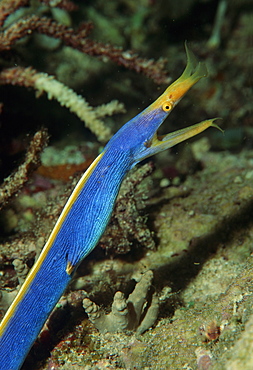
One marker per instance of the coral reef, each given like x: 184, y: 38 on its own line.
x: 77, y: 40
x: 41, y: 82
x: 128, y: 226
x: 209, y: 269
x: 16, y: 181
x: 189, y: 220
x: 126, y: 314
x: 21, y: 270
x: 18, y: 21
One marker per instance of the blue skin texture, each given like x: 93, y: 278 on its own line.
x: 86, y: 216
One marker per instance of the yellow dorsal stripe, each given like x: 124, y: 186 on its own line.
x: 48, y: 244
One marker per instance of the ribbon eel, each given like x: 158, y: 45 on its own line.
x: 87, y: 213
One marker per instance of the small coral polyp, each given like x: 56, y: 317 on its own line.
x: 135, y: 313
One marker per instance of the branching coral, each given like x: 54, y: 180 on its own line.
x: 133, y: 313
x: 15, y: 181
x: 41, y: 82
x: 79, y: 40
x: 9, y: 6
x: 15, y: 26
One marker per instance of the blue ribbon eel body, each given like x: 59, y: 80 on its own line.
x: 86, y: 215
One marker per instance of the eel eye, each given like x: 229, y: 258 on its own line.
x: 167, y: 107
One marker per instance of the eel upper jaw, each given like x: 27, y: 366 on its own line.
x: 193, y: 72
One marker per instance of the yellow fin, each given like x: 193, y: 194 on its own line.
x: 69, y: 268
